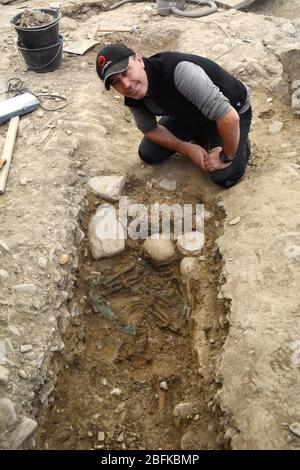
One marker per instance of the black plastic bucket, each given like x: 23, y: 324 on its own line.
x: 43, y: 59
x: 39, y: 36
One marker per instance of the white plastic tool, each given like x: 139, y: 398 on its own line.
x: 17, y: 106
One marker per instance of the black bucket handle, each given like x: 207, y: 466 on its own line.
x: 42, y: 66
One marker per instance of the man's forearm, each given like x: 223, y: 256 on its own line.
x: 163, y: 137
x: 229, y: 130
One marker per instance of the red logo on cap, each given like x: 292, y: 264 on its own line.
x: 101, y: 61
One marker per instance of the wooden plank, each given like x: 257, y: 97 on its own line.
x: 234, y: 3
x: 8, y: 150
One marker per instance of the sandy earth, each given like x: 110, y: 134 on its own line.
x: 233, y: 358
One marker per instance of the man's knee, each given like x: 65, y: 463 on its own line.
x: 151, y: 159
x: 144, y: 157
x: 151, y: 153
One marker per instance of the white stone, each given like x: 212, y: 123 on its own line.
x: 4, y: 375
x: 108, y: 187
x: 169, y: 185
x: 8, y: 417
x: 190, y: 243
x: 29, y: 289
x: 292, y: 251
x: 106, y: 234
x: 22, y: 374
x: 14, y: 330
x: 101, y: 436
x: 4, y: 246
x: 2, y: 352
x: 164, y: 386
x: 288, y: 28
x: 207, y: 215
x: 22, y: 432
x: 280, y: 87
x: 183, y: 409
x: 3, y: 275
x: 42, y: 262
x: 296, y: 97
x: 23, y: 181
x: 187, y: 266
x: 275, y: 127
x: 234, y: 221
x: 116, y: 392
x: 161, y: 251
x: 120, y: 438
x: 295, y: 428
x: 24, y: 348
x: 40, y: 113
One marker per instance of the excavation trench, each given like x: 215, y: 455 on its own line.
x: 138, y: 370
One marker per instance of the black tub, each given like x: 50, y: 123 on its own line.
x: 44, y: 59
x: 39, y: 36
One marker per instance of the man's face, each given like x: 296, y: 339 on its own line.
x: 133, y: 82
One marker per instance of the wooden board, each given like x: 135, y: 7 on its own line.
x: 8, y: 150
x: 234, y: 3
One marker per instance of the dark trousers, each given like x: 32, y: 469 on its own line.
x: 208, y: 137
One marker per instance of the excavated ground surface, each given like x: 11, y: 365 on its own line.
x: 47, y: 197
x: 136, y: 331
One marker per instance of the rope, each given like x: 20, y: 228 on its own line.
x: 15, y: 86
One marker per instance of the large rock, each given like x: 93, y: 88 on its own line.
x: 8, y: 417
x: 106, y: 234
x: 280, y: 87
x: 4, y: 375
x: 289, y: 55
x: 108, y: 187
x: 188, y: 266
x: 190, y: 243
x: 22, y: 432
x: 184, y: 409
x: 161, y: 251
x: 296, y: 97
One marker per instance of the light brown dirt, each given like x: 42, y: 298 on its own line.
x: 100, y: 354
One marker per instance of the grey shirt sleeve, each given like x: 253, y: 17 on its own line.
x: 193, y: 83
x: 144, y: 121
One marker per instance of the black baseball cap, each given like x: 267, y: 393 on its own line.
x: 112, y: 58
